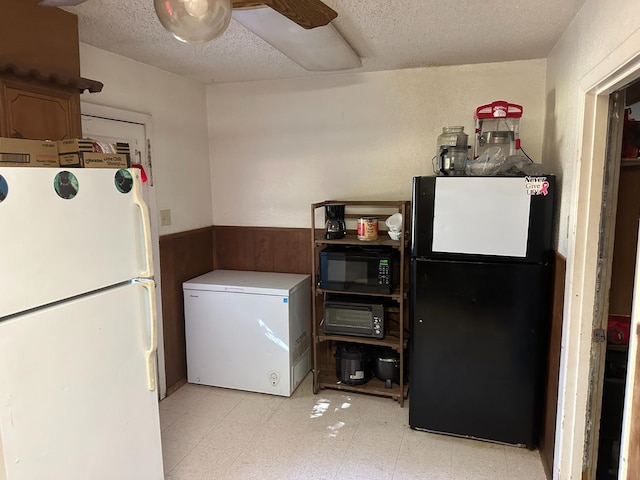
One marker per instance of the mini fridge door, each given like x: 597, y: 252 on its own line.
x: 499, y: 218
x: 477, y: 349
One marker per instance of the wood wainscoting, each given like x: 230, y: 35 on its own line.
x: 183, y: 256
x: 188, y: 254
x: 548, y: 433
x: 263, y: 249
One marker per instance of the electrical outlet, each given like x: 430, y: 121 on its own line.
x: 165, y: 217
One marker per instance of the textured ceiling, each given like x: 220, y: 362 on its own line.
x: 387, y: 34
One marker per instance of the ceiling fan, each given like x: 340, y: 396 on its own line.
x: 306, y: 13
x: 288, y: 25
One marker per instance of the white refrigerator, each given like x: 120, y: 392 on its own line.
x: 78, y: 334
x: 248, y: 330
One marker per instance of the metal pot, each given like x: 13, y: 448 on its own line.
x: 353, y: 364
x: 386, y: 366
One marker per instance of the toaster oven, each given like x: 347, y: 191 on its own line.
x: 353, y: 318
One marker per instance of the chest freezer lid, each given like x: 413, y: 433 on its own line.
x: 236, y: 281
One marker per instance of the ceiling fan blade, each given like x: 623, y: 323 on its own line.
x: 60, y: 3
x: 306, y: 13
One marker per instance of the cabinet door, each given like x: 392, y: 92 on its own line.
x: 38, y: 112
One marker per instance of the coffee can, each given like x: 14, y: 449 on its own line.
x: 367, y: 228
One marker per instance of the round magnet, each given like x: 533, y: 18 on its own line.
x: 123, y: 180
x: 4, y: 188
x: 66, y: 185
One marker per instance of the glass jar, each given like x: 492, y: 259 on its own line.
x: 452, y: 137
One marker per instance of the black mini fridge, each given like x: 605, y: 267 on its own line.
x: 480, y: 305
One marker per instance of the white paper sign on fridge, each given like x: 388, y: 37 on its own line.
x: 482, y: 216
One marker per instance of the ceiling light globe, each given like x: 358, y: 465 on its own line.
x: 194, y: 21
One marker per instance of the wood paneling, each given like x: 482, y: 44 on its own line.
x: 263, y: 249
x: 547, y: 440
x: 188, y: 254
x: 625, y: 242
x: 43, y: 37
x: 183, y: 256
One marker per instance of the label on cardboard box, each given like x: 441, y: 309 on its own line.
x: 20, y: 152
x: 94, y: 160
x: 75, y: 145
x: 104, y: 160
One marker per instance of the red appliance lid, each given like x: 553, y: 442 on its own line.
x: 499, y: 109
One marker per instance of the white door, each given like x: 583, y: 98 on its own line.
x: 77, y: 399
x: 109, y: 125
x: 112, y: 131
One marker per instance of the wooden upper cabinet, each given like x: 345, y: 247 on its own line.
x: 39, y: 112
x: 40, y: 80
x: 45, y: 38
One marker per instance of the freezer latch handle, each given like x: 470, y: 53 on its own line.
x: 146, y: 225
x: 152, y: 347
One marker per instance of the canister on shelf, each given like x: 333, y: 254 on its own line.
x: 367, y: 228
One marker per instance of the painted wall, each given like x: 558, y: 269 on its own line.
x: 602, y: 38
x: 278, y: 146
x: 595, y: 34
x: 179, y: 143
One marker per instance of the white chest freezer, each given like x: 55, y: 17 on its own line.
x: 248, y: 330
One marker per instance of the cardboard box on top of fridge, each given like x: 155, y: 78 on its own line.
x: 80, y: 152
x: 20, y: 152
x: 94, y: 160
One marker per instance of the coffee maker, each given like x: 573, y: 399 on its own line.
x: 335, y: 227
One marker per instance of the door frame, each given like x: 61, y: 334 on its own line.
x: 117, y: 114
x: 616, y: 71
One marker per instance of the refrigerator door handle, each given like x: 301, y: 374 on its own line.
x: 150, y: 350
x: 146, y: 225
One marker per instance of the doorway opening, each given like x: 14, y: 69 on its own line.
x: 112, y: 125
x: 582, y: 355
x: 621, y: 213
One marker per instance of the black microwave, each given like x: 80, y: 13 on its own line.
x: 353, y: 318
x: 359, y: 269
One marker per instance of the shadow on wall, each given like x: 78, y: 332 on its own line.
x: 551, y: 164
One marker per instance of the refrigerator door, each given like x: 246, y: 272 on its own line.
x: 75, y: 403
x: 501, y: 218
x: 477, y: 349
x: 55, y: 248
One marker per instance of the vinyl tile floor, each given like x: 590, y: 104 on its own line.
x: 214, y: 433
